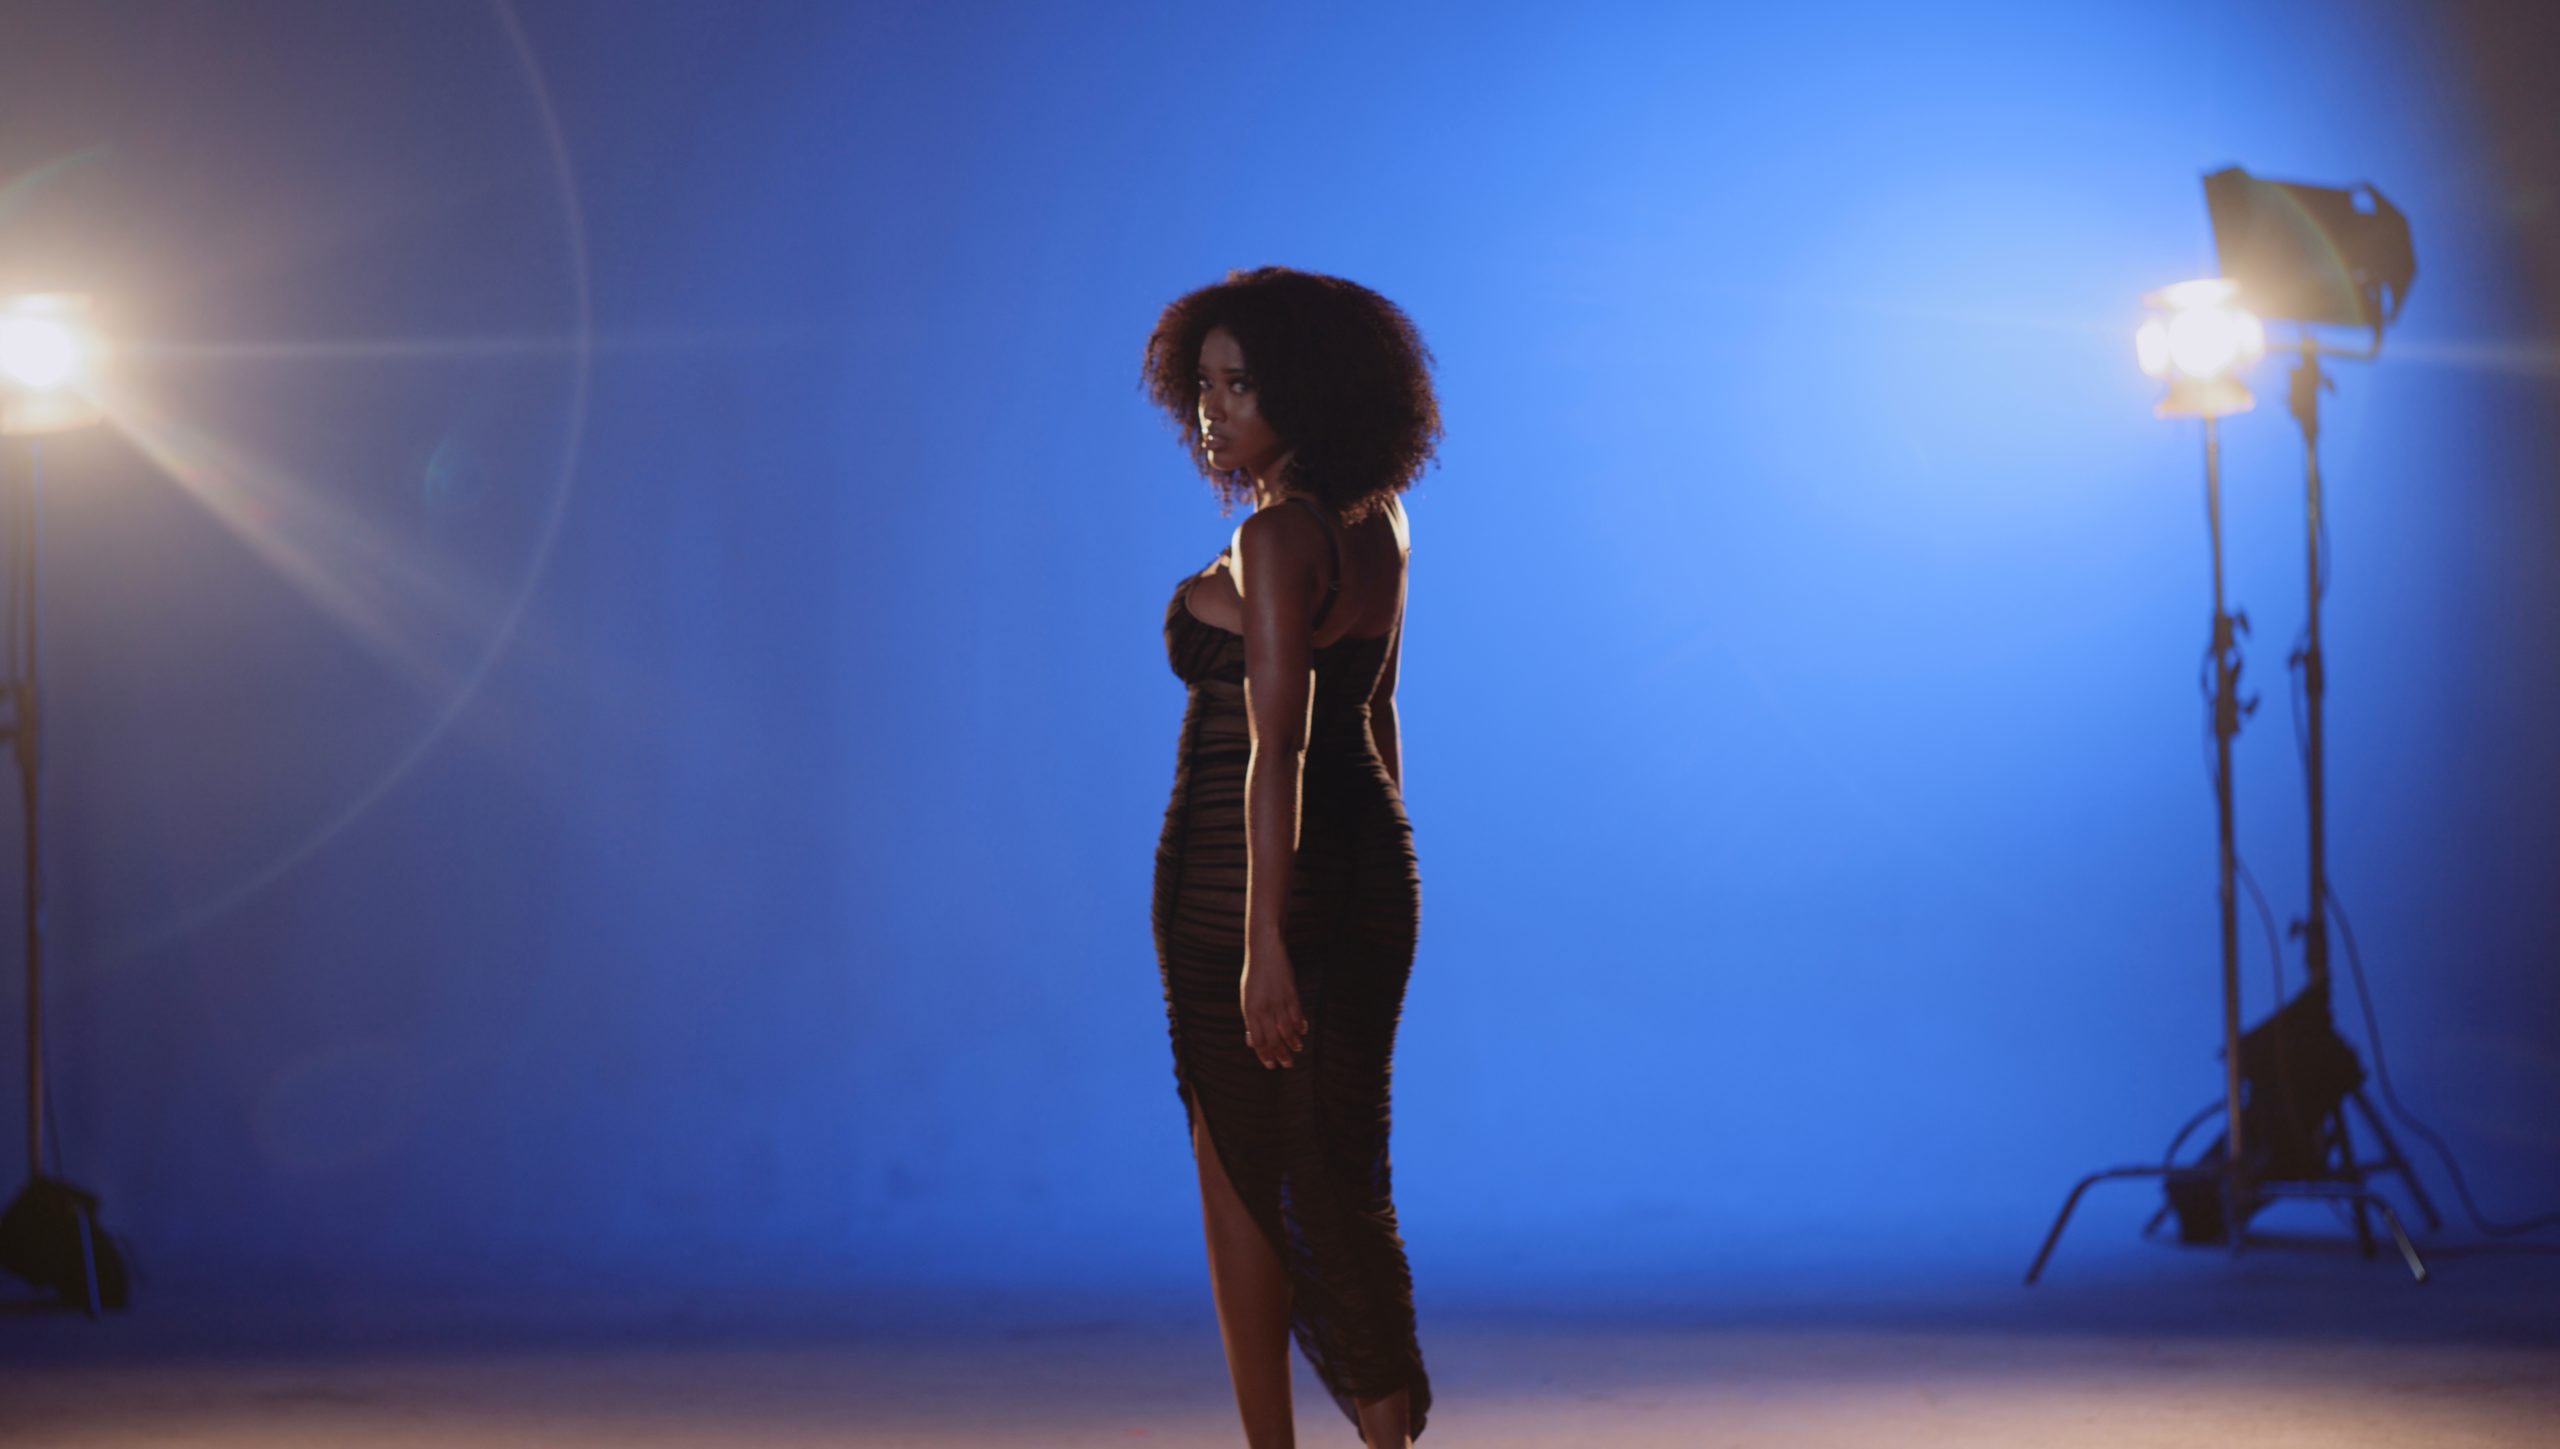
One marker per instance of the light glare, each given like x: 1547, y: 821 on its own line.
x: 2200, y: 329
x: 2202, y: 292
x: 2197, y: 338
x: 39, y: 353
x: 2205, y: 342
x: 2151, y: 347
x: 50, y: 358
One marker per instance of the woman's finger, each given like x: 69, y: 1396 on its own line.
x: 1275, y: 1050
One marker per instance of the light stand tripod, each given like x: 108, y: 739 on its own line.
x: 2236, y: 1181
x: 2306, y: 1034
x: 2315, y: 256
x: 49, y: 356
x: 50, y: 1233
x: 2307, y: 381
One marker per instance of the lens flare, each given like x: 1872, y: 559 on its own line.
x: 2151, y: 347
x: 49, y: 360
x: 2210, y: 341
x: 2197, y: 338
x: 430, y: 593
x: 38, y: 352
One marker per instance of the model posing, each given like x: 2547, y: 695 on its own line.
x: 1287, y: 898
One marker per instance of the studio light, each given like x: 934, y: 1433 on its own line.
x: 2325, y: 256
x: 2309, y: 256
x: 50, y: 359
x: 2198, y: 337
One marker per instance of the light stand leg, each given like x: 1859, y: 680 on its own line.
x: 89, y: 1263
x: 2408, y: 1250
x: 2395, y: 1162
x: 2352, y: 1172
x: 2063, y: 1218
x: 2363, y: 1197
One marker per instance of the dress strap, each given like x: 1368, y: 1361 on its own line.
x: 1335, y: 542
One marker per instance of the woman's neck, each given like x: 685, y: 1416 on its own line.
x: 1267, y: 485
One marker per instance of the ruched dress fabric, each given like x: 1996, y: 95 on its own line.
x: 1305, y: 1145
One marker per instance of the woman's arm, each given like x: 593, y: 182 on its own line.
x: 1382, y: 728
x: 1382, y: 711
x: 1279, y: 554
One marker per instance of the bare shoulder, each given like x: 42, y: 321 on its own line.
x: 1286, y: 539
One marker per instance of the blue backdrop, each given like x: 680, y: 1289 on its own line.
x: 606, y: 706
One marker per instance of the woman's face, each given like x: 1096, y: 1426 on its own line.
x: 1232, y: 430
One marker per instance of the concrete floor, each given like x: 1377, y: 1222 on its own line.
x: 2298, y: 1342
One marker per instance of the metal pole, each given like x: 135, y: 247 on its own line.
x: 23, y: 688
x: 2226, y: 723
x: 2307, y: 382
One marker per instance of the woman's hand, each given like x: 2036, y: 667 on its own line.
x: 1273, y: 1025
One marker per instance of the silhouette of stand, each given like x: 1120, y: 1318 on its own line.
x: 50, y: 1234
x: 2216, y: 1197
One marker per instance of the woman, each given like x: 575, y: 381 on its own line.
x: 1287, y: 899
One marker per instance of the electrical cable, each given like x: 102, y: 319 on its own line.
x: 2266, y: 917
x: 2297, y: 694
x: 2382, y: 1078
x: 2203, y: 1115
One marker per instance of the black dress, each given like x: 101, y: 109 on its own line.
x: 1306, y: 1144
